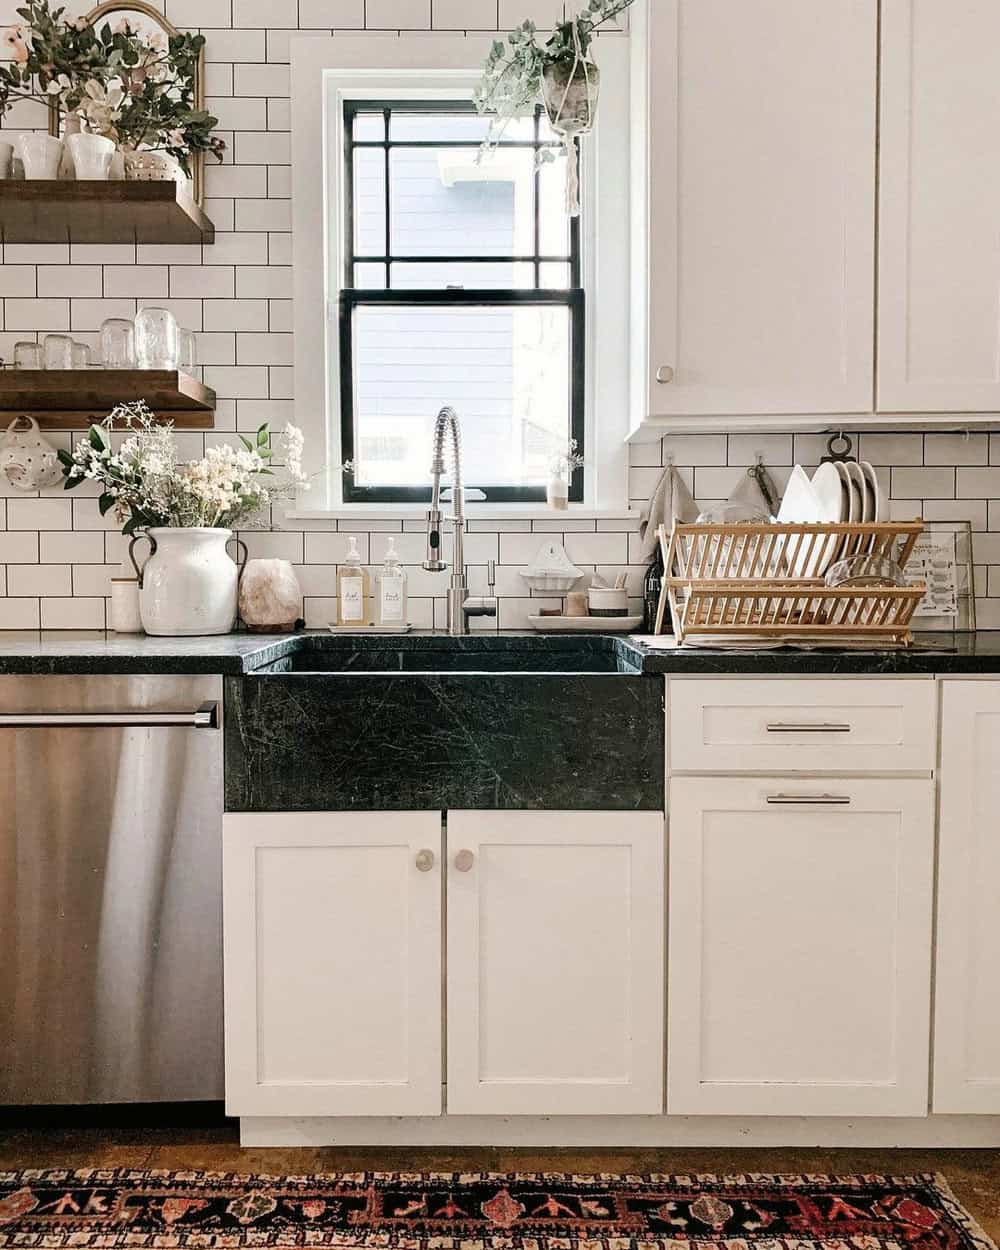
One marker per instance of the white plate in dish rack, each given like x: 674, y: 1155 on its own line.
x: 584, y: 624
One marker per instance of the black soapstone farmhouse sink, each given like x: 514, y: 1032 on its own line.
x: 426, y: 722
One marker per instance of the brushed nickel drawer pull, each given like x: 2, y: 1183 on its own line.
x: 779, y: 728
x: 809, y: 800
x: 204, y: 717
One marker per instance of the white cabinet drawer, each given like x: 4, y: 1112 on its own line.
x: 783, y: 724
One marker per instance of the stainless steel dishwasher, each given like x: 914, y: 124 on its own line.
x: 110, y: 889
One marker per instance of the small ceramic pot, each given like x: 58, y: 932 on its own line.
x: 606, y: 601
x: 6, y: 159
x: 151, y: 167
x: 188, y: 584
x: 91, y: 156
x: 28, y: 461
x: 125, y: 615
x: 40, y: 155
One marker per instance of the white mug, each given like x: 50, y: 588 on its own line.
x: 40, y: 155
x: 91, y: 156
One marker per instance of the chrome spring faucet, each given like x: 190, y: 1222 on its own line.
x: 460, y: 605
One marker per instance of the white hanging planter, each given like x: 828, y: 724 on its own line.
x: 570, y: 94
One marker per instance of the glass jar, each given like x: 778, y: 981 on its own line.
x: 187, y: 351
x: 28, y: 355
x: 118, y: 343
x: 156, y: 339
x: 57, y: 351
x: 81, y: 356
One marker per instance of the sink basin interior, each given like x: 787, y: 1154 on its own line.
x: 446, y: 655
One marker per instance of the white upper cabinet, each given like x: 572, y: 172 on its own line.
x: 333, y: 963
x: 754, y: 219
x: 939, y: 245
x: 967, y: 1032
x: 555, y: 963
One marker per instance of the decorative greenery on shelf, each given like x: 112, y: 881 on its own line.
x: 136, y: 89
x: 511, y: 85
x: 145, y: 484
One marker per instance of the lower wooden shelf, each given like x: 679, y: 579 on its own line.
x: 66, y: 399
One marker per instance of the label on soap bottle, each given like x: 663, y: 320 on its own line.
x: 391, y: 600
x: 352, y: 599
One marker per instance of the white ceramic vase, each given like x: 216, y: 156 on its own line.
x: 188, y: 585
x: 40, y: 155
x: 91, y: 156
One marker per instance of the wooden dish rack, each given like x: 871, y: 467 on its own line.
x: 766, y: 581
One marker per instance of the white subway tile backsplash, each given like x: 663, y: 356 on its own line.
x: 57, y: 554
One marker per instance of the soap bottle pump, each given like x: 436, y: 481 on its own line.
x: 352, y: 588
x: 392, y: 589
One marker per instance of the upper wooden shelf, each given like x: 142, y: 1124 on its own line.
x: 100, y: 212
x: 66, y: 399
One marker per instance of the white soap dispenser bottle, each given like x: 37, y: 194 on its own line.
x: 352, y: 588
x: 392, y: 590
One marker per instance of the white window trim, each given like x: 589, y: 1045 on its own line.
x: 325, y: 71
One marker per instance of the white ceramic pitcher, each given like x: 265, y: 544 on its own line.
x: 189, y: 583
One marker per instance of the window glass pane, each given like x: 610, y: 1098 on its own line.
x: 369, y: 127
x: 437, y: 275
x: 445, y: 203
x: 433, y: 127
x: 554, y: 276
x: 369, y: 202
x: 504, y: 369
x: 553, y: 223
x: 370, y: 277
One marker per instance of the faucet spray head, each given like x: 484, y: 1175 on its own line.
x: 433, y: 562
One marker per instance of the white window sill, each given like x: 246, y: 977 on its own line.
x: 476, y: 512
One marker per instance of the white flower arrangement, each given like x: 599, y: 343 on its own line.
x: 146, y: 485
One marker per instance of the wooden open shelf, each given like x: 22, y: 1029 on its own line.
x: 100, y: 212
x: 65, y: 399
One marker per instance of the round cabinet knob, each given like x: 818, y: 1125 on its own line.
x: 425, y: 861
x: 464, y: 860
x: 665, y: 373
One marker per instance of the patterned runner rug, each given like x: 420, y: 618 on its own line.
x: 96, y: 1209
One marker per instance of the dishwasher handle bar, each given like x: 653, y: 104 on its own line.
x: 204, y: 717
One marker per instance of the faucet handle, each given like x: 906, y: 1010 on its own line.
x: 491, y: 573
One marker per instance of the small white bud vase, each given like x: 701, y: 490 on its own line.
x: 28, y: 461
x: 270, y: 596
x: 91, y: 156
x: 188, y: 584
x: 40, y: 155
x: 557, y: 493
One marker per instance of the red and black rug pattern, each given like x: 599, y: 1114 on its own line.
x: 95, y: 1209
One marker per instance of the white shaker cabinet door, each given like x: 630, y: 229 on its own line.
x: 939, y: 252
x: 967, y: 1030
x: 759, y: 205
x: 333, y: 963
x: 555, y: 963
x: 800, y: 946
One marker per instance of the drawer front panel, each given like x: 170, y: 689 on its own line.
x: 793, y: 724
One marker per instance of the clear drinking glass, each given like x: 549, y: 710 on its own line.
x: 118, y: 343
x: 156, y: 339
x: 81, y: 356
x: 187, y: 351
x: 57, y: 351
x: 28, y: 356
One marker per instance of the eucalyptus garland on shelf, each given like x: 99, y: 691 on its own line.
x: 133, y: 88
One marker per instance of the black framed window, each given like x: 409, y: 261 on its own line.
x: 462, y: 286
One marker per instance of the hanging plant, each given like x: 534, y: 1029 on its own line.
x: 560, y: 73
